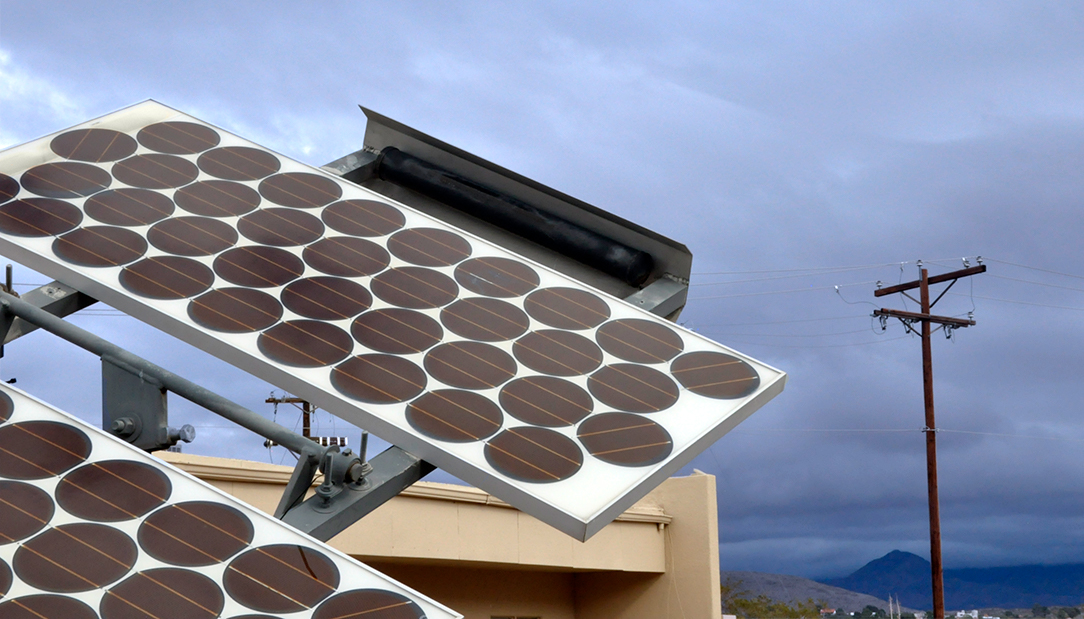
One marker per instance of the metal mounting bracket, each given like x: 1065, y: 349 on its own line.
x: 663, y: 297
x: 134, y: 407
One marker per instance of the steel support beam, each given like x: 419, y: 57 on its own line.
x: 56, y: 298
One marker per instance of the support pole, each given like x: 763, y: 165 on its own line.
x: 937, y: 575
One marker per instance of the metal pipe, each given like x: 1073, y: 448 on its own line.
x: 181, y: 386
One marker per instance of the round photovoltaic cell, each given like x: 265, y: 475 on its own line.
x: 639, y: 341
x: 281, y: 227
x: 369, y: 604
x: 346, y: 256
x: 535, y: 455
x: 305, y: 343
x: 75, y: 557
x: 24, y: 510
x: 40, y: 449
x: 567, y: 308
x: 363, y: 217
x: 155, y: 171
x: 560, y: 353
x: 46, y: 605
x: 128, y: 207
x: 625, y: 439
x: 470, y: 365
x: 7, y: 407
x: 300, y: 189
x: 5, y: 581
x: 235, y: 310
x: 167, y: 277
x: 326, y: 298
x: 9, y: 188
x: 113, y: 490
x: 715, y: 375
x: 178, y: 137
x: 484, y: 319
x: 415, y: 288
x: 238, y: 163
x: 454, y: 416
x: 429, y: 247
x: 496, y: 277
x: 100, y: 246
x: 217, y: 198
x: 633, y: 388
x: 546, y: 401
x: 195, y: 533
x: 164, y: 593
x: 258, y: 266
x: 379, y: 379
x: 65, y: 179
x: 93, y: 145
x: 192, y: 236
x: 396, y: 331
x: 281, y: 578
x: 37, y: 217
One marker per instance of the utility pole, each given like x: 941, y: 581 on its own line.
x: 948, y: 324
x: 306, y: 412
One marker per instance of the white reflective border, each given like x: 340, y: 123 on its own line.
x: 579, y: 505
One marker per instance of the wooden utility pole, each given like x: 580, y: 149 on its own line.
x: 306, y: 412
x: 908, y: 319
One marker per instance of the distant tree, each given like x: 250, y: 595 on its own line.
x: 1071, y: 611
x: 1009, y: 614
x: 871, y: 611
x: 736, y: 601
x: 1039, y: 611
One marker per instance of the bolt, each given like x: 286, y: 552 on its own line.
x: 124, y: 426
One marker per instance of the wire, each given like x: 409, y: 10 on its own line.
x: 759, y: 294
x: 1075, y: 309
x: 1028, y: 281
x: 765, y: 279
x: 891, y: 339
x: 780, y: 322
x: 1024, y: 266
x: 790, y: 335
x: 849, y: 268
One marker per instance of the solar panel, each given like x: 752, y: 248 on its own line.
x: 93, y: 527
x: 564, y: 401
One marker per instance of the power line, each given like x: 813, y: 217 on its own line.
x: 759, y: 294
x: 781, y: 322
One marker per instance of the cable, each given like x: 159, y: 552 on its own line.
x: 1075, y: 309
x: 1028, y: 281
x: 765, y: 279
x: 1024, y: 266
x: 760, y: 294
x: 891, y: 339
x: 781, y: 322
x: 855, y: 268
x: 790, y: 335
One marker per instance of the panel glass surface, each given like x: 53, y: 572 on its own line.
x: 95, y: 528
x: 503, y: 372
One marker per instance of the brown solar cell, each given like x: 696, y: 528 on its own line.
x: 46, y: 605
x: 163, y: 593
x: 178, y: 137
x: 9, y: 188
x: 258, y: 266
x: 326, y: 298
x: 235, y: 310
x: 535, y: 455
x: 454, y: 416
x: 94, y: 145
x: 633, y: 388
x: 217, y: 198
x: 396, y: 331
x: 379, y: 379
x: 128, y: 207
x: 65, y: 179
x: 100, y: 246
x: 238, y: 163
x: 346, y: 256
x: 429, y: 247
x: 415, y: 288
x: 368, y: 604
x: 470, y: 365
x: 488, y: 320
x: 154, y: 171
x: 167, y: 277
x: 561, y: 353
x: 566, y: 308
x: 113, y: 490
x: 281, y: 578
x: 363, y: 217
x: 496, y: 277
x: 75, y: 557
x: 625, y: 439
x: 300, y: 189
x: 639, y: 341
x: 38, y: 217
x: 24, y: 510
x: 192, y: 236
x: 305, y: 343
x: 40, y: 449
x: 7, y: 407
x: 546, y: 401
x: 6, y: 579
x: 281, y: 227
x: 195, y: 533
x: 715, y: 375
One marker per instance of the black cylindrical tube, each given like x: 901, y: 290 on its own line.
x: 616, y: 259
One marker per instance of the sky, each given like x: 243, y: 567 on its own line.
x: 802, y: 151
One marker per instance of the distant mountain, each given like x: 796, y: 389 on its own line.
x: 907, y: 576
x: 793, y: 589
